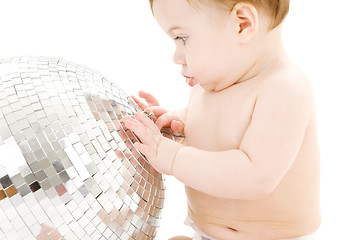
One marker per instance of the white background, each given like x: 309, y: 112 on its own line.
x: 121, y: 40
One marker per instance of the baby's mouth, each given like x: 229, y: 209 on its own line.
x: 190, y: 81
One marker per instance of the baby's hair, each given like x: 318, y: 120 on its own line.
x: 275, y: 9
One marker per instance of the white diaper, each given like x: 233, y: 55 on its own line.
x: 199, y: 235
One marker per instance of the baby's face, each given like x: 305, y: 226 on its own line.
x: 205, y: 44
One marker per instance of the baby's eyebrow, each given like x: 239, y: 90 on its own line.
x: 170, y: 31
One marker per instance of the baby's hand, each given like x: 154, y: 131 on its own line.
x: 164, y: 120
x: 149, y: 98
x: 170, y: 124
x: 151, y: 142
x: 147, y: 132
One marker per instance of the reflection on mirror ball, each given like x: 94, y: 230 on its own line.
x: 68, y: 168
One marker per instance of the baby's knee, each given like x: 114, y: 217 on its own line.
x: 180, y: 238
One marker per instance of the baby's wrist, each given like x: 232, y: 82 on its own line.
x: 166, y: 154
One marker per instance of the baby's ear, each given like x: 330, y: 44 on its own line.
x: 245, y: 18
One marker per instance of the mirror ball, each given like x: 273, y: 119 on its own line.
x: 68, y: 168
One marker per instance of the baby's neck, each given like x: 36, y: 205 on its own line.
x: 270, y: 50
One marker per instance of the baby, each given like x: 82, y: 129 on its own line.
x: 250, y: 158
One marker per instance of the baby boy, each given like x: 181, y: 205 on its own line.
x: 250, y: 158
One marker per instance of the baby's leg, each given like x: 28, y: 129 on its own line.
x: 180, y: 238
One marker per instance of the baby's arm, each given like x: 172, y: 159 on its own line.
x: 270, y: 145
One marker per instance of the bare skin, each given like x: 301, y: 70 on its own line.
x: 180, y: 238
x: 250, y: 160
x: 291, y: 210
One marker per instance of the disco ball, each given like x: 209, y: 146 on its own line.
x: 68, y: 168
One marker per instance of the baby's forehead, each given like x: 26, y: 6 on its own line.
x: 209, y: 5
x: 170, y: 13
x: 175, y: 8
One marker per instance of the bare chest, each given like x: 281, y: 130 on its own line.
x: 218, y: 121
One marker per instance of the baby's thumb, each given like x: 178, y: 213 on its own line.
x: 177, y: 126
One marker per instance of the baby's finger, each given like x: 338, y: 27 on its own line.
x: 137, y: 127
x: 146, y: 121
x: 140, y: 103
x: 177, y: 126
x: 165, y: 120
x: 149, y: 98
x: 157, y: 110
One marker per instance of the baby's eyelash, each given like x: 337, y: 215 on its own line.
x: 183, y: 39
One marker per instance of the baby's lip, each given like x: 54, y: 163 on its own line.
x: 189, y: 80
x: 185, y: 76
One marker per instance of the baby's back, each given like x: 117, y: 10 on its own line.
x: 292, y: 209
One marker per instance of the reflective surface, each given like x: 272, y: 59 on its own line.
x: 68, y: 169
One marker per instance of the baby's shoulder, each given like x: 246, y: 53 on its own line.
x: 286, y: 79
x: 287, y: 87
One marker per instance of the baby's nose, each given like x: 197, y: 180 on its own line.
x: 179, y: 58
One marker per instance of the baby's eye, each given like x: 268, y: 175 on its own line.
x: 183, y: 39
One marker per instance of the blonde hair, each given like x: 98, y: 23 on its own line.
x: 275, y: 9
